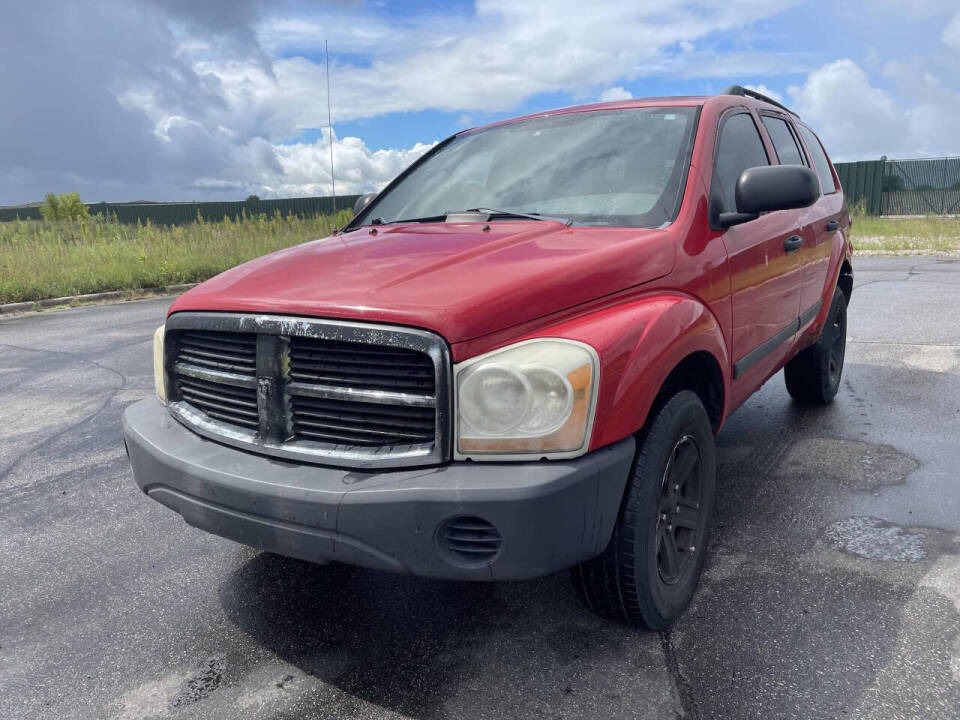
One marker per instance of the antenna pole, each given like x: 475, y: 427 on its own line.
x: 333, y: 183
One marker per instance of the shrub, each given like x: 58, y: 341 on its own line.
x: 66, y: 206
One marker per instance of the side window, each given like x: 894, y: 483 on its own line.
x: 739, y: 147
x: 783, y: 140
x: 820, y: 161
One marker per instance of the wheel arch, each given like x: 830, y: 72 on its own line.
x: 700, y: 373
x: 845, y: 279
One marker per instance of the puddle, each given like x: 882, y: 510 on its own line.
x: 851, y: 463
x: 876, y: 539
x: 202, y: 681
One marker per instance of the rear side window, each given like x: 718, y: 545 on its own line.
x: 820, y: 161
x: 783, y: 140
x: 739, y: 148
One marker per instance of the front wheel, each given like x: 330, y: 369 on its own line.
x: 813, y: 375
x: 649, y: 571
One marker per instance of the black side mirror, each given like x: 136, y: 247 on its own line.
x: 769, y: 188
x: 362, y: 202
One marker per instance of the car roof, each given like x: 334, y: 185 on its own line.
x: 670, y: 101
x: 682, y: 101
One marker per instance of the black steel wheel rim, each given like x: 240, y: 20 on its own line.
x: 838, y: 343
x: 679, y: 510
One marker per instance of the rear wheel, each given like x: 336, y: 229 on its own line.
x: 813, y: 375
x: 649, y: 571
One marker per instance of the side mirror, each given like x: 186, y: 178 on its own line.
x: 362, y: 202
x: 769, y: 188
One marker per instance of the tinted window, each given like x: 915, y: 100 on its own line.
x: 783, y: 140
x: 820, y: 161
x: 738, y: 149
x: 615, y: 167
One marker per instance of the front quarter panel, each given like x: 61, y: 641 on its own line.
x: 639, y: 343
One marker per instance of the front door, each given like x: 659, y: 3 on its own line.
x: 764, y: 257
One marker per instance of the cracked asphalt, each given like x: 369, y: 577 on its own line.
x: 832, y: 586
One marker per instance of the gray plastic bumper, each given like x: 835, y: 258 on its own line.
x: 549, y: 515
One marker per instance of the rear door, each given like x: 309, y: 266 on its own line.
x: 764, y: 267
x: 822, y: 221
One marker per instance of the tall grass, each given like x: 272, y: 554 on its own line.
x: 40, y: 259
x: 929, y: 234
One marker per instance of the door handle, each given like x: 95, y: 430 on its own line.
x: 792, y: 243
x: 833, y: 225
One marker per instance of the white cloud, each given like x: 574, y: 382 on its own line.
x: 951, y: 33
x: 857, y: 120
x: 186, y: 99
x: 854, y: 119
x: 615, y: 93
x: 764, y: 90
x: 306, y: 167
x: 509, y: 52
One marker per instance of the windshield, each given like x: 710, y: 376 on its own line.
x: 609, y: 167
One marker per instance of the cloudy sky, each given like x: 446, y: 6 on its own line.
x: 217, y: 99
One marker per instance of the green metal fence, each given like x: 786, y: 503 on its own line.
x: 187, y: 212
x: 862, y: 183
x: 925, y: 186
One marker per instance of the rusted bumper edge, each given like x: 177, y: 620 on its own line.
x: 462, y: 520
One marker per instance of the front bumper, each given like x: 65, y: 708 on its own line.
x: 549, y: 515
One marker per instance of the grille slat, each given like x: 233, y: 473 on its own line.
x: 229, y: 403
x: 306, y: 416
x: 232, y: 352
x: 232, y: 418
x: 332, y: 393
x: 344, y: 364
x: 233, y: 358
x: 313, y: 426
x: 239, y: 341
x: 339, y: 438
x: 226, y: 403
x: 219, y: 390
x: 396, y: 384
x: 390, y: 423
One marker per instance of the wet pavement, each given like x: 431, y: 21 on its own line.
x: 832, y: 587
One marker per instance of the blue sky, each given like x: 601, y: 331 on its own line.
x: 174, y: 99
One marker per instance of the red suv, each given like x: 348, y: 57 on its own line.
x: 515, y: 358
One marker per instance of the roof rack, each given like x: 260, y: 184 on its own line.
x: 747, y: 92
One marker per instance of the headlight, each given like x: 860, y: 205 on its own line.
x: 159, y: 373
x: 533, y: 398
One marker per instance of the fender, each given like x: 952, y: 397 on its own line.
x: 640, y: 342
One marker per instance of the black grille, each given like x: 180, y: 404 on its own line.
x: 344, y: 364
x: 470, y: 540
x: 226, y: 351
x: 229, y: 403
x: 356, y: 423
x: 310, y: 394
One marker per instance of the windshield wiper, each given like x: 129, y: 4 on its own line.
x: 512, y: 214
x: 489, y: 212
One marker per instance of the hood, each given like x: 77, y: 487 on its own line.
x: 455, y: 279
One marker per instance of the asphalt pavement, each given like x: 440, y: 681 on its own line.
x: 832, y: 586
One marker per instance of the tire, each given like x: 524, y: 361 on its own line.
x: 637, y: 579
x: 813, y: 375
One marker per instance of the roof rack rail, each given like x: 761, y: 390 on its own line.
x: 747, y: 92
